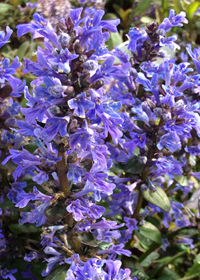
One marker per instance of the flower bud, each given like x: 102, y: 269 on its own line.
x: 90, y: 65
x: 64, y: 39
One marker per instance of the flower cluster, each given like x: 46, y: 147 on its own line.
x: 104, y: 135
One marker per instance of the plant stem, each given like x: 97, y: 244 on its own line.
x: 171, y: 187
x: 178, y: 255
x: 4, y: 177
x: 190, y: 276
x: 139, y: 205
x: 62, y: 175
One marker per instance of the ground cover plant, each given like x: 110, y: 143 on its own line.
x: 100, y: 160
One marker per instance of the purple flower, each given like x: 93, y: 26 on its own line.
x: 31, y: 256
x: 75, y: 173
x: 115, y: 250
x: 187, y: 241
x: 171, y: 93
x: 35, y: 195
x: 62, y: 60
x: 28, y: 274
x: 195, y: 55
x: 173, y: 20
x: 170, y: 140
x: 57, y: 125
x: 81, y: 137
x: 149, y: 86
x: 95, y: 211
x: 41, y: 26
x: 80, y: 104
x: 168, y: 166
x: 24, y: 161
x: 51, y: 262
x: 137, y: 36
x: 74, y: 262
x: 138, y: 140
x: 14, y: 193
x: 18, y: 89
x: 95, y: 23
x: 131, y: 223
x: 6, y: 71
x: 4, y: 38
x: 108, y: 70
x: 97, y: 43
x: 75, y: 15
x: 106, y: 235
x: 169, y: 42
x: 77, y: 209
x: 165, y: 243
x: 96, y: 182
x: 5, y: 274
x: 110, y: 125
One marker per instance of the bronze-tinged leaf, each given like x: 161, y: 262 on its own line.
x: 56, y: 212
x: 87, y: 239
x: 5, y: 91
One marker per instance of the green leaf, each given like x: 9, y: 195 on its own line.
x: 178, y: 7
x: 4, y: 8
x: 151, y: 232
x: 147, y: 261
x: 109, y: 16
x: 163, y: 260
x: 135, y: 267
x: 134, y: 166
x: 168, y: 274
x: 7, y: 204
x: 188, y: 231
x: 30, y: 147
x: 22, y: 50
x: 194, y: 269
x: 191, y: 9
x: 124, y: 14
x: 114, y: 40
x: 165, y: 4
x: 146, y: 241
x: 153, y: 221
x: 142, y: 7
x: 198, y: 258
x: 27, y: 228
x: 59, y: 273
x: 37, y: 268
x: 158, y: 198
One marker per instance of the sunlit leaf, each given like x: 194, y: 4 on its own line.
x: 158, y: 198
x: 114, y: 40
x: 191, y: 9
x: 151, y: 232
x: 5, y: 8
